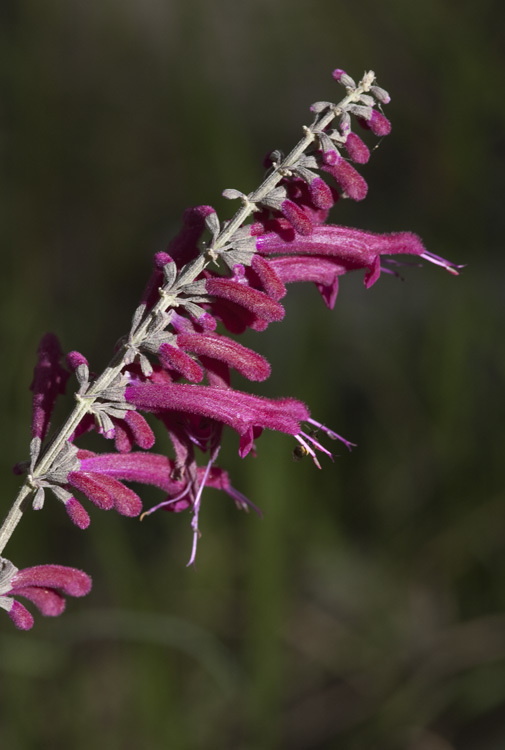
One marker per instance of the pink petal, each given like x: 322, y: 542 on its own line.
x: 296, y: 217
x: 173, y: 358
x: 250, y: 364
x: 251, y: 299
x: 78, y: 515
x: 70, y: 581
x: 20, y: 616
x: 239, y: 410
x: 48, y: 601
x: 271, y: 283
x: 348, y: 179
x: 358, y: 150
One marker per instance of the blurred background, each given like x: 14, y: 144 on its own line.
x: 367, y: 609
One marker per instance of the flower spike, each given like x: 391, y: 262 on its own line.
x: 176, y: 366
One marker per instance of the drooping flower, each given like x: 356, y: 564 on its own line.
x: 44, y: 585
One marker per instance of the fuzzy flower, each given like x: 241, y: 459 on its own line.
x: 332, y: 251
x: 104, y: 490
x: 184, y: 246
x: 43, y: 585
x: 347, y: 178
x: 212, y: 346
x: 49, y: 379
x: 184, y: 489
x: 244, y: 302
x: 159, y: 471
x: 247, y: 414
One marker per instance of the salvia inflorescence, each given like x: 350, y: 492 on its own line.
x: 175, y: 365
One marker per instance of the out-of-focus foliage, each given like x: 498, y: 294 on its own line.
x: 367, y: 609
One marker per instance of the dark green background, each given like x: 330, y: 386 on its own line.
x: 366, y: 611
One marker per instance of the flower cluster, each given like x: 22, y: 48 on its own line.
x: 43, y: 585
x: 176, y: 366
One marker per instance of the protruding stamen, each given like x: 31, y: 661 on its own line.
x: 331, y: 434
x: 438, y: 261
x: 165, y: 503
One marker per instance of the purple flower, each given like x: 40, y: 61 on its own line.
x: 128, y: 431
x: 258, y: 303
x: 323, y: 272
x: 173, y: 358
x: 212, y: 346
x: 347, y: 178
x: 49, y: 380
x: 184, y: 246
x: 245, y: 413
x: 101, y: 488
x: 266, y: 277
x: 43, y: 585
x: 159, y: 471
x: 358, y: 150
x: 297, y: 217
x: 331, y: 250
x: 248, y: 415
x: 377, y: 123
x: 184, y: 489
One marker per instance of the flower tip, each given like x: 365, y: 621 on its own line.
x: 342, y: 77
x: 196, y: 215
x: 297, y: 217
x: 20, y: 616
x: 77, y: 514
x: 75, y: 360
x: 379, y: 124
x: 452, y: 268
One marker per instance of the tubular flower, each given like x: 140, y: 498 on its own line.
x: 247, y: 414
x: 43, y: 585
x: 332, y: 251
x: 159, y: 471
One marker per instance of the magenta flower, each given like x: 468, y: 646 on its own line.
x: 159, y: 471
x: 331, y: 251
x: 323, y: 272
x: 49, y: 379
x: 347, y: 178
x: 43, y: 585
x: 254, y: 307
x: 212, y: 346
x: 127, y: 432
x: 247, y: 414
x: 377, y: 123
x: 184, y: 489
x: 358, y: 150
x: 106, y: 492
x: 184, y: 246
